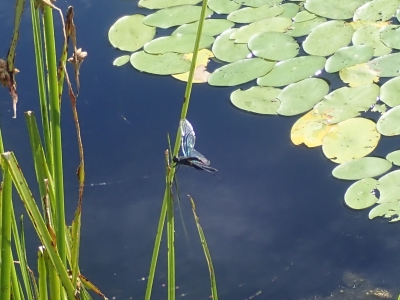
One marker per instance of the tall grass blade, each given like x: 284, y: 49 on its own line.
x: 43, y: 291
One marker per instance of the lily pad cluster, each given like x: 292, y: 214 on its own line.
x: 286, y: 48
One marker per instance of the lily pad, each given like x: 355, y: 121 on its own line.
x: 227, y: 50
x: 130, y: 34
x: 359, y: 75
x: 386, y: 66
x: 348, y: 57
x: 304, y: 16
x: 258, y: 3
x: 377, y: 10
x: 333, y: 9
x: 291, y: 10
x: 273, y: 46
x: 162, y: 64
x: 345, y: 103
x: 122, y: 60
x: 394, y: 157
x: 350, y: 139
x: 369, y: 35
x: 390, y: 36
x: 389, y: 187
x: 292, y: 70
x: 240, y: 72
x: 180, y: 43
x: 250, y: 14
x: 328, y: 37
x: 200, y: 74
x: 361, y: 168
x: 360, y: 194
x: 175, y: 16
x: 388, y: 124
x: 260, y: 100
x: 387, y: 210
x: 310, y: 129
x: 244, y: 33
x: 390, y: 92
x: 158, y: 4
x: 223, y: 6
x: 303, y: 28
x: 211, y: 27
x: 301, y: 96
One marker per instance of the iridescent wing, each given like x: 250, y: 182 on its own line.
x: 201, y: 157
x: 188, y: 138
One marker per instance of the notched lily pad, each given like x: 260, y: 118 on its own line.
x: 361, y: 194
x: 260, y: 100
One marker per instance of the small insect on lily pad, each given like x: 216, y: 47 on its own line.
x: 130, y: 34
x: 361, y: 194
x: 361, y: 168
x: 260, y: 100
x: 350, y: 139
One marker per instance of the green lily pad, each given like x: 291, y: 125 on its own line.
x: 158, y: 4
x: 223, y: 6
x: 244, y: 33
x: 180, y: 43
x: 388, y: 124
x: 390, y: 92
x: 304, y: 16
x: 227, y: 50
x: 292, y: 70
x: 387, y: 210
x: 369, y: 35
x: 291, y: 9
x: 240, y: 72
x: 377, y: 10
x: 303, y: 28
x: 175, y: 16
x: 358, y: 75
x: 350, y: 139
x: 260, y: 100
x: 122, y: 60
x: 360, y: 194
x: 345, y: 103
x: 258, y: 3
x: 250, y: 14
x: 333, y: 9
x: 361, y: 168
x: 273, y: 46
x: 301, y: 96
x: 394, y: 157
x: 130, y: 34
x: 390, y: 36
x: 163, y: 64
x: 211, y: 27
x: 387, y: 65
x: 389, y: 187
x: 328, y: 37
x: 348, y: 56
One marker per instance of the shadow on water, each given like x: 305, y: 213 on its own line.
x: 275, y: 222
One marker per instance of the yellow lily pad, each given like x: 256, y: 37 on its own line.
x: 200, y: 73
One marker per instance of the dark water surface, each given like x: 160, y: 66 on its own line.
x: 275, y: 222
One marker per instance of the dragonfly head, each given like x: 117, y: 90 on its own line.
x: 175, y: 159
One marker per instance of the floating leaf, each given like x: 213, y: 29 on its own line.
x: 211, y: 27
x: 377, y: 10
x: 388, y: 124
x: 180, y: 43
x: 303, y: 28
x: 360, y: 168
x: 122, y: 60
x: 310, y: 129
x: 386, y: 210
x: 350, y: 139
x: 390, y: 36
x: 227, y: 50
x: 333, y: 9
x: 244, y: 33
x: 301, y: 96
x: 386, y: 66
x: 130, y: 34
x: 394, y: 157
x: 260, y: 100
x: 389, y: 187
x: 223, y: 6
x: 304, y: 16
x: 273, y: 46
x: 173, y: 16
x: 292, y: 70
x: 369, y: 35
x: 240, y: 72
x: 348, y: 57
x: 249, y: 14
x: 162, y: 64
x: 359, y: 75
x: 200, y: 73
x: 345, y: 103
x: 291, y: 10
x: 258, y: 3
x: 390, y: 92
x: 360, y: 194
x: 158, y: 4
x: 328, y: 37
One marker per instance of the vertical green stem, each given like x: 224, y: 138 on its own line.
x: 171, y: 247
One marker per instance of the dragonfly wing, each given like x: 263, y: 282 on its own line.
x: 188, y: 137
x: 201, y: 157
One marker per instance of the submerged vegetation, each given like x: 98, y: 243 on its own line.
x: 293, y: 49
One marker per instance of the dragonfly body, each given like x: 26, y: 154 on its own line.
x: 191, y: 157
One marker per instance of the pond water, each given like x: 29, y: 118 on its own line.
x: 275, y: 223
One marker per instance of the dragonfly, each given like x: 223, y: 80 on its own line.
x: 191, y: 157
